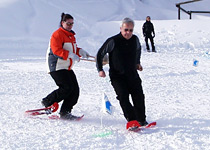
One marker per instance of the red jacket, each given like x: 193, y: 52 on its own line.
x: 61, y: 44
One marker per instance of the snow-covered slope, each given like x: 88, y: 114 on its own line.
x: 20, y: 18
x: 177, y: 93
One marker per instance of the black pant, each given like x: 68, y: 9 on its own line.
x: 68, y: 89
x: 151, y: 40
x: 123, y: 89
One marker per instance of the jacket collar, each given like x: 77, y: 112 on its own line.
x: 69, y: 33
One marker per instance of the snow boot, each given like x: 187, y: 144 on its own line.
x: 68, y: 116
x: 46, y: 102
x: 143, y: 123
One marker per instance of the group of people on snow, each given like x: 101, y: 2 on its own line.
x: 124, y: 52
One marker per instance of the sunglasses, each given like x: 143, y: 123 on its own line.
x: 131, y: 30
x: 69, y: 23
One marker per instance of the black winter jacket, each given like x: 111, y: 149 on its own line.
x: 148, y: 28
x: 124, y: 55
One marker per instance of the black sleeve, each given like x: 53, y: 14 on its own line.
x: 153, y: 29
x: 138, y: 51
x: 107, y: 47
x: 143, y: 28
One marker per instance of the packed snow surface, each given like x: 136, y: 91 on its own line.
x: 176, y: 91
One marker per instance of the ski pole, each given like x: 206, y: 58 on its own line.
x: 105, y: 60
x: 87, y: 60
x: 91, y: 60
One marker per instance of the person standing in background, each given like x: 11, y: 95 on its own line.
x: 148, y: 30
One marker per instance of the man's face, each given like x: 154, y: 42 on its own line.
x: 148, y: 18
x: 127, y: 30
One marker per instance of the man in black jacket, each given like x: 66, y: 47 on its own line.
x: 124, y: 51
x: 148, y: 29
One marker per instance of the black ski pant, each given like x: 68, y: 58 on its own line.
x: 151, y: 40
x: 68, y: 90
x: 124, y: 88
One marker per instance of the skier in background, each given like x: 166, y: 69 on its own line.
x: 124, y: 51
x: 148, y: 29
x: 62, y: 53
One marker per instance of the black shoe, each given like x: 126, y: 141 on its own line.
x: 46, y: 103
x: 154, y: 51
x: 143, y: 123
x: 135, y: 128
x: 68, y: 116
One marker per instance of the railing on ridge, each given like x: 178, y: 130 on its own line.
x: 178, y: 5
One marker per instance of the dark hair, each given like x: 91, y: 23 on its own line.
x: 65, y: 17
x: 148, y: 17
